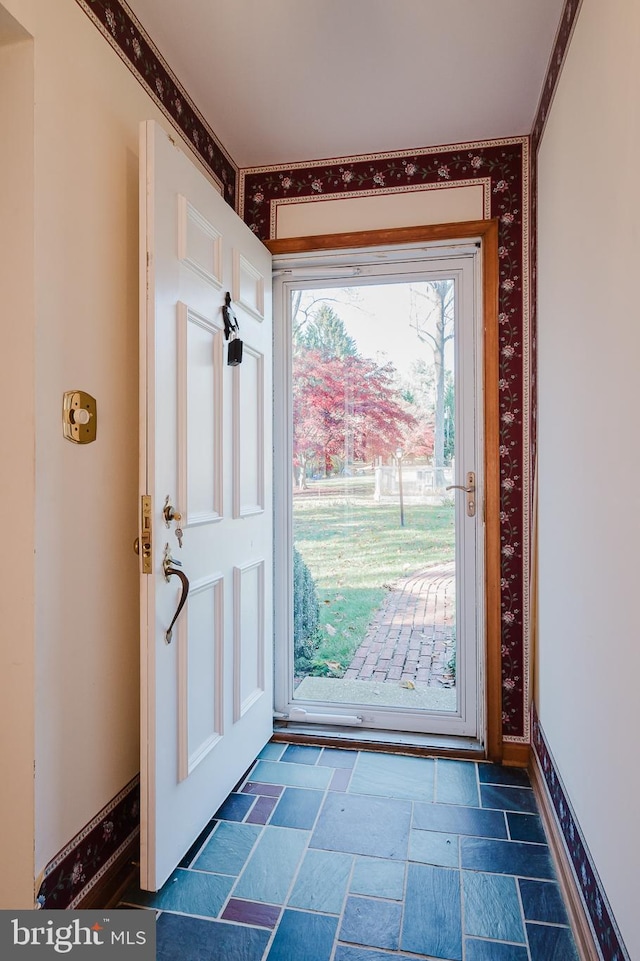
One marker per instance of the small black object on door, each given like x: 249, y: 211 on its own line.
x: 231, y: 333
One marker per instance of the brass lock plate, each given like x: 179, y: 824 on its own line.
x: 79, y: 417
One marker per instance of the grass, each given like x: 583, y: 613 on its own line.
x: 356, y: 551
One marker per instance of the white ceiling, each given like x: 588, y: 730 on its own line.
x: 281, y: 81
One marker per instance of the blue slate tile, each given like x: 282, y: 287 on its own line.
x: 520, y: 799
x: 492, y: 907
x: 378, y: 878
x: 272, y: 751
x: 336, y: 757
x: 301, y: 754
x: 297, y: 808
x: 526, y: 827
x: 272, y: 866
x: 506, y: 857
x: 549, y: 943
x: 228, y: 848
x: 371, y: 922
x: 302, y: 936
x: 340, y: 779
x: 189, y: 892
x: 432, y: 916
x: 195, y: 848
x: 345, y: 952
x: 449, y: 819
x: 394, y: 776
x: 293, y: 775
x: 322, y: 882
x: 431, y: 847
x: 498, y: 774
x: 457, y: 783
x: 251, y: 912
x: 235, y: 808
x: 542, y: 901
x: 494, y: 951
x: 179, y: 937
x: 363, y: 825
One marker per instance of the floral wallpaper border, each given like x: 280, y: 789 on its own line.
x: 505, y: 165
x: 75, y: 870
x: 598, y: 909
x: 126, y: 35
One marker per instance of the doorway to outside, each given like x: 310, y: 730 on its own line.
x: 380, y: 556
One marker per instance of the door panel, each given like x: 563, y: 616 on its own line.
x: 206, y: 694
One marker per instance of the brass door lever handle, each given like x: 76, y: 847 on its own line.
x: 470, y: 489
x: 169, y: 567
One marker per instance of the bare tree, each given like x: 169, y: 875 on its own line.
x: 432, y: 316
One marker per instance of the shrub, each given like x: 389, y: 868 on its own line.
x: 306, y: 614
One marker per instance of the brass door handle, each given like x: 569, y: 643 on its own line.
x: 170, y: 571
x: 470, y: 490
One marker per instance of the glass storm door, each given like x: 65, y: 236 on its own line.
x: 378, y: 484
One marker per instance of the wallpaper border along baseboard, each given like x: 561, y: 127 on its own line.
x: 593, y: 917
x: 79, y: 866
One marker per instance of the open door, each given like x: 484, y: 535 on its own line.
x: 205, y: 503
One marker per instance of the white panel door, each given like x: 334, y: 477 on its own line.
x: 206, y: 690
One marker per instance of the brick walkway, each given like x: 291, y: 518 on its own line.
x: 411, y: 637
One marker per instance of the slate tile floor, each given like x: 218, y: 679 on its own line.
x: 335, y: 855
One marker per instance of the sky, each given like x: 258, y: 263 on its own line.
x: 378, y: 317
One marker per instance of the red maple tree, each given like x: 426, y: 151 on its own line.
x: 344, y: 407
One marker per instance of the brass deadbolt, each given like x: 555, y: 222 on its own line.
x: 79, y: 417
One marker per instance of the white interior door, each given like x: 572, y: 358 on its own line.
x: 206, y: 446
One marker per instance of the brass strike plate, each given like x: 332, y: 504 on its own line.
x: 146, y: 534
x: 79, y: 417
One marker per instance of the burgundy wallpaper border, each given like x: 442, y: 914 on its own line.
x: 603, y: 924
x: 505, y: 165
x: 78, y: 867
x: 126, y: 35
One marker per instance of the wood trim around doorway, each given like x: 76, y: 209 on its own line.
x: 486, y: 232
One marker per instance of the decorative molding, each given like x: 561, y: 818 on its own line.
x: 82, y: 863
x: 244, y: 432
x: 135, y: 48
x: 242, y: 605
x: 247, y: 286
x: 577, y: 868
x: 190, y: 755
x: 188, y: 215
x: 505, y: 165
x: 186, y: 316
x: 485, y: 183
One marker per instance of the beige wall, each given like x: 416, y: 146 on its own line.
x: 402, y: 208
x: 589, y: 398
x: 85, y: 335
x: 17, y: 487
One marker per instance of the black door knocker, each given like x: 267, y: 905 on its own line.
x: 231, y: 328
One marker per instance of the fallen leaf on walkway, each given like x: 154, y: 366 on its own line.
x: 408, y: 684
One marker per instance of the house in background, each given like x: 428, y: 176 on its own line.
x: 69, y: 679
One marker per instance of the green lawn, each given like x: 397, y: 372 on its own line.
x: 356, y: 550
